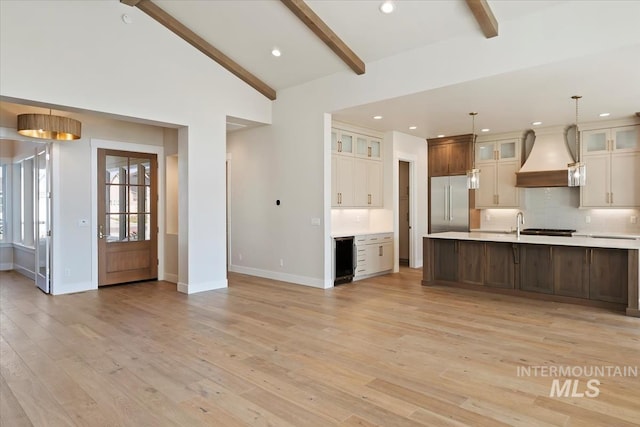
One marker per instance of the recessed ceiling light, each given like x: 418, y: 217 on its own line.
x: 439, y: 136
x: 536, y: 123
x: 377, y: 117
x: 485, y: 130
x: 413, y: 127
x: 387, y: 7
x: 276, y: 52
x: 604, y: 114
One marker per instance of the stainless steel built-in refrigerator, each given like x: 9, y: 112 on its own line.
x: 449, y: 204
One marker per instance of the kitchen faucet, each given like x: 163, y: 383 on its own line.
x: 519, y: 222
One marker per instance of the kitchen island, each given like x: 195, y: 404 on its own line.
x: 584, y: 270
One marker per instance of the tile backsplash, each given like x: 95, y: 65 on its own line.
x: 558, y: 208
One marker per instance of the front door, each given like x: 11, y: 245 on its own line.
x: 127, y: 217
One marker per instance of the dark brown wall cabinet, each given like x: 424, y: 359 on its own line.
x: 450, y: 155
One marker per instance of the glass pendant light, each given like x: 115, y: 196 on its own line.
x: 473, y: 175
x: 577, y: 171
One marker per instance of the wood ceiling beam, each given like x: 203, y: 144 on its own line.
x: 202, y: 45
x: 322, y: 30
x: 484, y: 16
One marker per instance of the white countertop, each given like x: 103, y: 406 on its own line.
x: 589, y: 242
x: 360, y: 233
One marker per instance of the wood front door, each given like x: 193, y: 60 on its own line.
x: 127, y: 217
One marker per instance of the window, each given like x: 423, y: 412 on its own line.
x: 25, y: 232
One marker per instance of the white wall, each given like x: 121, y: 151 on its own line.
x: 412, y: 149
x: 141, y: 71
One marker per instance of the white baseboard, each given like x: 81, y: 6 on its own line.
x: 193, y: 288
x: 170, y: 277
x: 72, y: 288
x: 283, y: 277
x: 25, y: 272
x: 5, y: 266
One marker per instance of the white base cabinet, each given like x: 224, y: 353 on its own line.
x: 374, y: 255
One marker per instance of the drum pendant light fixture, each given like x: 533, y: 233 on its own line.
x: 45, y: 126
x: 473, y: 175
x: 577, y: 171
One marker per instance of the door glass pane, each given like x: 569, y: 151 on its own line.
x: 137, y: 203
x: 626, y: 138
x: 375, y: 148
x: 117, y: 228
x: 347, y: 143
x: 116, y: 169
x: 334, y: 141
x: 140, y: 225
x: 508, y: 150
x: 596, y: 141
x: 139, y: 171
x: 116, y: 198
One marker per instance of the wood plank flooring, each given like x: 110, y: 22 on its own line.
x: 380, y: 352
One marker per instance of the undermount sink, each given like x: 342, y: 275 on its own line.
x: 547, y: 232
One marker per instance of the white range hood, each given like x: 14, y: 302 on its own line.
x: 547, y: 163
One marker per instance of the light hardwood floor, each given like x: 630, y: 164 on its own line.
x: 384, y: 351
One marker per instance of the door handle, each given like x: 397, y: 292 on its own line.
x: 100, y: 232
x: 450, y: 203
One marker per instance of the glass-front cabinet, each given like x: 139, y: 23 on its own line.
x: 342, y: 142
x: 501, y: 151
x: 368, y: 147
x: 617, y: 139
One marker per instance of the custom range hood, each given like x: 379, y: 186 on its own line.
x: 546, y: 165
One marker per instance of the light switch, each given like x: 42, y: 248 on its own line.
x: 315, y: 221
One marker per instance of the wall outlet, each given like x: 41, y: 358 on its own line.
x: 633, y: 219
x: 240, y: 257
x: 358, y: 218
x: 487, y: 216
x: 281, y: 262
x: 315, y: 221
x: 587, y: 219
x: 67, y: 272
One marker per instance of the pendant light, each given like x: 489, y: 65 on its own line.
x: 577, y: 171
x: 473, y: 175
x: 45, y: 126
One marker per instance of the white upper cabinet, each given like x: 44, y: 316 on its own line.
x: 612, y: 159
x: 498, y: 162
x: 356, y: 170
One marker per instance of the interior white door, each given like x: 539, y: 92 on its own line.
x: 43, y: 217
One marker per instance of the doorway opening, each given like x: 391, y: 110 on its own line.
x: 404, y: 209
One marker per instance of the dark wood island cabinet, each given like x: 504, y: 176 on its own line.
x: 567, y: 271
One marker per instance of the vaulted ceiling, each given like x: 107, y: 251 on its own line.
x: 246, y: 31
